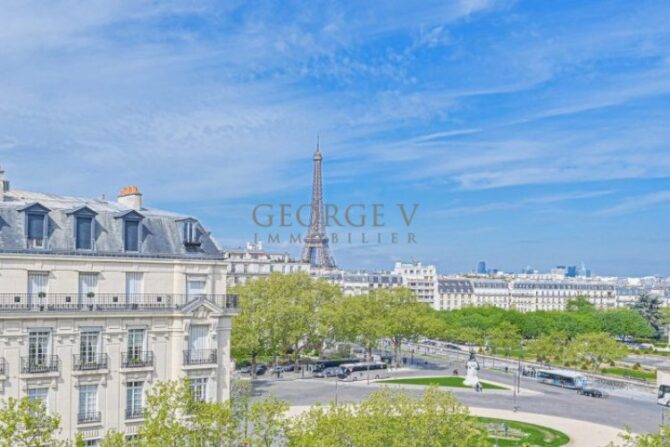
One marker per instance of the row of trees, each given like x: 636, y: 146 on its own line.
x: 290, y: 315
x: 471, y: 324
x: 293, y: 314
x: 173, y: 419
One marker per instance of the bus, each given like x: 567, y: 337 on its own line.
x: 351, y: 372
x: 557, y: 377
x: 663, y: 380
x: 323, y: 364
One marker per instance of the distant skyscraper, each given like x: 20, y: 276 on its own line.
x: 316, y: 250
x: 481, y: 267
x: 571, y: 271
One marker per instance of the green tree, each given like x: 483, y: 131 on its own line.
x: 26, y: 423
x: 402, y: 315
x: 268, y: 418
x: 505, y: 337
x: 660, y: 439
x: 358, y: 319
x: 649, y: 306
x: 625, y: 322
x: 594, y: 349
x: 282, y: 314
x: 114, y: 439
x: 550, y: 347
x: 167, y: 405
x: 389, y: 418
x: 579, y: 304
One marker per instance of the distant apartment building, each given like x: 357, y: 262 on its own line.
x: 101, y: 299
x: 360, y: 283
x: 523, y: 295
x: 529, y: 296
x: 420, y: 279
x: 254, y: 262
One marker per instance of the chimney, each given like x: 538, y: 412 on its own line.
x: 130, y: 197
x: 4, y: 184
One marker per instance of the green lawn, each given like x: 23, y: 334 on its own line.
x: 454, y: 382
x: 522, y: 434
x: 637, y: 374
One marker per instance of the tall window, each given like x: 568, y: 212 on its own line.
x: 88, y: 402
x: 88, y: 285
x: 84, y: 233
x: 88, y: 349
x: 135, y: 343
x: 191, y: 233
x: 199, y: 389
x: 134, y: 392
x: 36, y: 229
x: 38, y: 347
x: 134, y: 287
x: 131, y: 236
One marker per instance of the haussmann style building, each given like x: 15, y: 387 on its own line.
x: 101, y: 299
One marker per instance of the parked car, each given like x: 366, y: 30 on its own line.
x: 286, y: 368
x: 260, y: 370
x: 591, y: 392
x: 332, y: 371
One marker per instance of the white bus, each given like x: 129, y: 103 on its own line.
x: 557, y: 377
x: 351, y: 372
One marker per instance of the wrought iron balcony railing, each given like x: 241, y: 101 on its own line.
x: 39, y: 364
x: 89, y: 417
x: 108, y: 302
x: 134, y: 412
x: 3, y: 367
x: 90, y: 362
x: 137, y: 359
x: 200, y: 357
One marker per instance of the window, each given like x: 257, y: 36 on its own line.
x: 195, y: 287
x: 199, y: 389
x: 135, y: 343
x: 36, y: 229
x: 191, y: 233
x: 38, y: 394
x: 88, y: 348
x: 84, y: 233
x: 38, y: 347
x: 88, y: 403
x: 134, y: 287
x: 131, y: 235
x: 134, y: 399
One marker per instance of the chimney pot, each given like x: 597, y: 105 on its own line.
x: 130, y: 197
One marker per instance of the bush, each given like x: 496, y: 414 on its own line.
x: 637, y: 366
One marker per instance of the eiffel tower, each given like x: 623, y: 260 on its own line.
x: 316, y: 250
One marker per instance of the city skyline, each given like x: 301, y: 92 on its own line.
x: 527, y: 135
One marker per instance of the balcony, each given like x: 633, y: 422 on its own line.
x: 108, y: 302
x: 40, y: 364
x: 137, y: 359
x: 91, y: 362
x: 134, y: 413
x: 200, y: 357
x: 89, y: 417
x: 3, y: 367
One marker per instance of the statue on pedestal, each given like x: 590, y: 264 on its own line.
x: 472, y: 366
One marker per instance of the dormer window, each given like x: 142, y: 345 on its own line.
x: 131, y: 230
x: 84, y: 227
x: 131, y: 235
x: 191, y: 232
x: 36, y: 224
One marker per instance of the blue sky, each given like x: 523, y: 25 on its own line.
x: 529, y: 133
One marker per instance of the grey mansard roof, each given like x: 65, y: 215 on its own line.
x: 160, y: 233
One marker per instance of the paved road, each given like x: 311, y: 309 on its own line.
x: 635, y: 410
